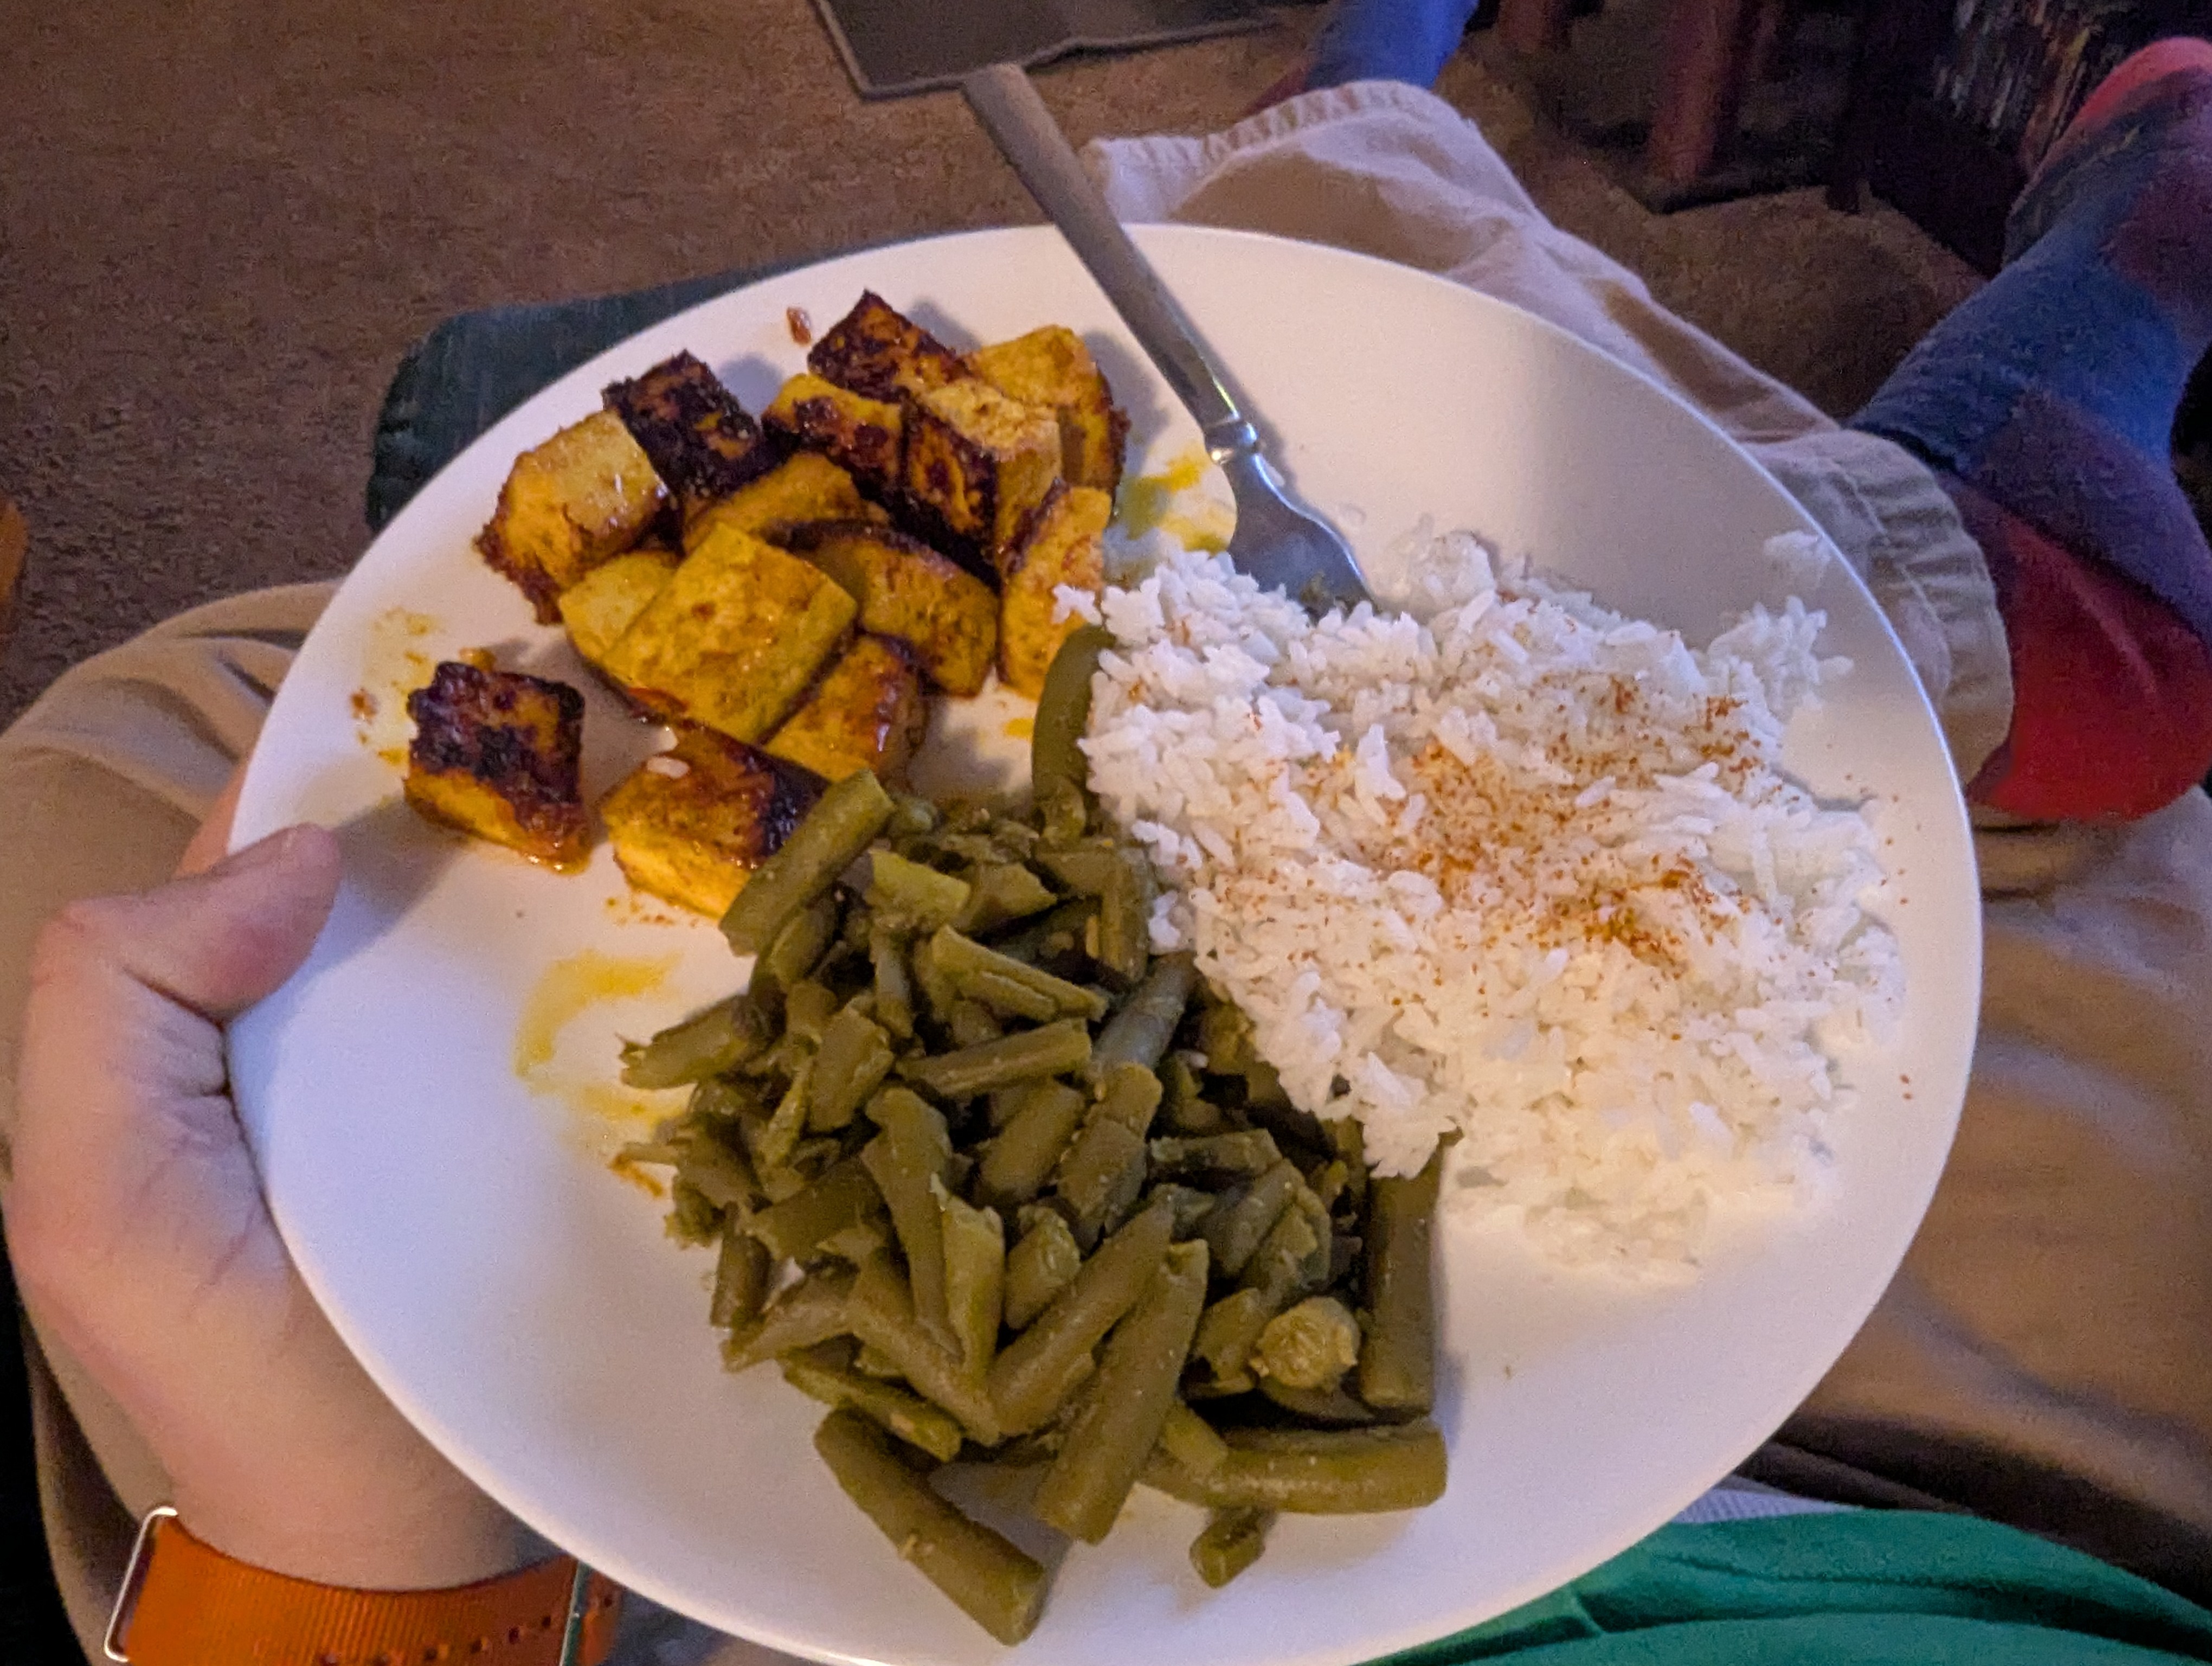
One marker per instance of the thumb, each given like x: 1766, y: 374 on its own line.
x: 220, y: 940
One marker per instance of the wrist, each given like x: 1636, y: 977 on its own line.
x: 433, y: 1540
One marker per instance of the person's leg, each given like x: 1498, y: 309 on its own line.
x: 2047, y: 402
x: 1408, y: 40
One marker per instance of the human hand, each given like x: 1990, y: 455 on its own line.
x: 142, y: 1244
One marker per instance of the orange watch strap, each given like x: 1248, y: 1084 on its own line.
x: 197, y: 1607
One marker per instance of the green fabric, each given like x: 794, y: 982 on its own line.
x: 1865, y: 1586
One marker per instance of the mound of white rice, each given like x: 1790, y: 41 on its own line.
x: 1508, y: 863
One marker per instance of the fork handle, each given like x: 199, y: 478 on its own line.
x: 1014, y: 116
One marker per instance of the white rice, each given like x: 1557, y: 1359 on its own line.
x: 1508, y: 863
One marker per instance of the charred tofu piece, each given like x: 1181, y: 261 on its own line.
x: 1060, y: 546
x: 733, y: 639
x: 857, y: 433
x: 979, y: 461
x: 1052, y: 367
x: 805, y: 487
x: 877, y: 351
x: 602, y: 603
x: 907, y: 591
x: 868, y: 712
x: 693, y: 824
x: 499, y: 755
x: 586, y: 495
x: 701, y: 442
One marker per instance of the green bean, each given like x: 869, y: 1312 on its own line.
x: 1348, y: 1141
x: 974, y: 1277
x: 1006, y: 998
x: 781, y: 1138
x: 1325, y: 1409
x: 1315, y: 1472
x: 1397, y: 1365
x: 694, y: 1218
x: 1191, y: 1206
x: 894, y: 986
x: 1190, y: 1440
x: 1001, y: 892
x: 1125, y: 923
x: 1129, y: 1094
x: 873, y: 1361
x: 1050, y: 1049
x: 843, y: 1199
x: 1101, y: 1175
x: 810, y: 1161
x: 1063, y: 712
x: 1026, y: 1377
x: 906, y: 1160
x: 1243, y: 1218
x: 963, y: 960
x: 1229, y: 1544
x: 741, y: 1277
x: 1053, y: 940
x: 996, y: 1585
x: 1139, y: 1033
x: 881, y: 1314
x: 1183, y: 1107
x: 854, y: 1058
x: 908, y: 894
x: 937, y: 994
x: 1311, y: 1346
x: 1020, y: 1160
x: 1250, y: 1152
x: 708, y: 1043
x: 971, y: 1023
x: 1227, y: 1333
x: 911, y: 816
x: 797, y: 950
x: 1108, y: 1444
x: 808, y: 1007
x: 1041, y: 1264
x: 843, y: 822
x: 722, y: 1172
x: 813, y: 1310
x: 1085, y: 869
x: 1293, y: 1259
x: 901, y: 1411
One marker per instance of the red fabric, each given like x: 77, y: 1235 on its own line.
x: 2112, y: 692
x: 2121, y: 87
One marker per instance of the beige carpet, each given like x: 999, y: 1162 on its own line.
x: 222, y: 223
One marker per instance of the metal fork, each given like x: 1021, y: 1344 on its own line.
x: 1276, y: 541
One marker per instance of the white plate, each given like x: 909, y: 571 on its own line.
x: 456, y: 1216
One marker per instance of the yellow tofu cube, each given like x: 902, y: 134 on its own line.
x: 732, y: 640
x: 907, y: 591
x: 857, y: 433
x: 701, y: 442
x: 584, y: 495
x: 604, y: 602
x: 805, y: 487
x: 978, y: 460
x: 877, y: 351
x: 868, y: 712
x: 500, y: 755
x: 1060, y: 546
x: 693, y: 824
x: 1052, y: 367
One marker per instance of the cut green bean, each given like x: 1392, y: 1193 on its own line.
x: 1139, y: 1033
x: 843, y: 822
x: 1026, y: 1378
x: 1038, y: 1267
x: 893, y: 985
x: 1238, y: 1223
x: 1129, y: 1094
x: 939, y: 997
x: 908, y: 1160
x: 1315, y: 1472
x: 1008, y: 999
x: 903, y: 1412
x: 1397, y: 1365
x: 1101, y: 1175
x: 782, y: 1136
x: 855, y: 1056
x: 1293, y: 1259
x: 1050, y: 1049
x: 1191, y: 1206
x: 881, y: 1314
x: 996, y: 1585
x: 1108, y: 1444
x: 1125, y: 922
x: 1183, y: 1107
x: 694, y: 1218
x: 1323, y: 1408
x: 742, y: 1269
x: 909, y: 896
x: 1309, y: 1345
x: 1063, y: 714
x: 1190, y: 1440
x: 975, y: 1278
x: 1227, y: 1334
x: 842, y: 1200
x: 971, y: 1023
x: 1229, y: 1544
x: 1020, y: 1160
x: 719, y: 1169
x: 1086, y: 869
x: 708, y: 1043
x: 796, y: 951
x: 964, y: 961
x: 1000, y: 893
x: 1250, y: 1152
x: 808, y: 1007
x: 813, y: 1310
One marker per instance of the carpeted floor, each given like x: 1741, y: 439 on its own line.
x: 220, y: 224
